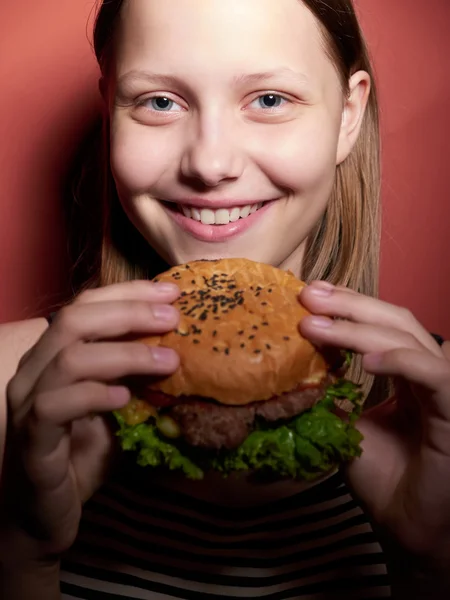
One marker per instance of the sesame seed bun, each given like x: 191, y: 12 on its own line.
x: 238, y: 337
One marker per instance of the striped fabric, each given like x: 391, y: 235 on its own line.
x: 316, y: 545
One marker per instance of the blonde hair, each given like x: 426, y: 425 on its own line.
x: 344, y: 246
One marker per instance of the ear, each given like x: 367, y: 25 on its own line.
x: 353, y: 114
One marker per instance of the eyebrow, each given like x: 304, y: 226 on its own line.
x: 249, y: 78
x: 283, y: 72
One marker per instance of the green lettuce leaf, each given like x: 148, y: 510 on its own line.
x: 153, y: 450
x: 306, y: 447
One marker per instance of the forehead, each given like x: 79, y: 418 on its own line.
x: 201, y: 36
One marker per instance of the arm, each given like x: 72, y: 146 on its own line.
x: 30, y: 582
x: 15, y: 340
x: 409, y: 580
x: 37, y: 580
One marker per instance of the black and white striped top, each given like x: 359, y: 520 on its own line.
x: 316, y: 544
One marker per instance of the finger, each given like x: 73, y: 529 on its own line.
x: 59, y: 407
x: 131, y: 290
x: 359, y: 337
x: 420, y: 368
x: 335, y: 302
x: 90, y: 321
x: 106, y: 361
x: 326, y: 285
x: 46, y: 426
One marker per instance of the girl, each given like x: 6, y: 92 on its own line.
x: 235, y: 128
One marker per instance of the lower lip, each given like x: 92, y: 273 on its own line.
x: 216, y: 233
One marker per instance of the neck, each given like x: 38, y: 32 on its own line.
x: 294, y: 262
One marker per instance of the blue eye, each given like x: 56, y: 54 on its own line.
x: 270, y: 101
x: 162, y: 103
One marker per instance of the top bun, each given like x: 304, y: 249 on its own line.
x: 238, y: 337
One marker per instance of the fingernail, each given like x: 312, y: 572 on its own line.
x: 164, y: 312
x: 166, y: 288
x: 321, y: 322
x: 163, y: 356
x: 321, y: 288
x: 119, y: 395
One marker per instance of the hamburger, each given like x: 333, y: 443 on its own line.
x: 250, y: 394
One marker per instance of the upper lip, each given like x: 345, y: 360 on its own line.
x: 217, y: 203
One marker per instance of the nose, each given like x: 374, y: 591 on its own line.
x: 212, y: 156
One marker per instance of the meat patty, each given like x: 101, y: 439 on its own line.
x: 215, y: 426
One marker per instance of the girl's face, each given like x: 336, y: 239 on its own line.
x: 227, y: 123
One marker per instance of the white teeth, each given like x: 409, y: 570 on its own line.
x: 196, y: 214
x: 221, y: 216
x: 245, y: 211
x: 207, y: 216
x: 235, y: 215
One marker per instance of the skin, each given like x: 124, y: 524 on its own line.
x: 216, y: 147
x: 402, y: 477
x: 217, y: 142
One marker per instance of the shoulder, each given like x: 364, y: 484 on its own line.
x: 15, y: 340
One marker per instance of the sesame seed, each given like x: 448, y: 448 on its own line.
x: 227, y: 351
x: 242, y: 345
x: 257, y: 351
x: 268, y: 346
x: 196, y: 341
x: 255, y: 327
x: 251, y: 337
x: 214, y: 333
x: 286, y: 338
x: 215, y: 349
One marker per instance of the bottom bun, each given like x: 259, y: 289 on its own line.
x: 303, y: 447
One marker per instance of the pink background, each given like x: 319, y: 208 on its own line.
x: 49, y: 98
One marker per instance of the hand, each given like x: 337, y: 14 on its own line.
x: 403, y: 475
x: 57, y: 452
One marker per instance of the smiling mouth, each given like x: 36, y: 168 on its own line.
x: 220, y: 216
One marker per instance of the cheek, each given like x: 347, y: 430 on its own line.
x: 137, y: 164
x: 302, y: 157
